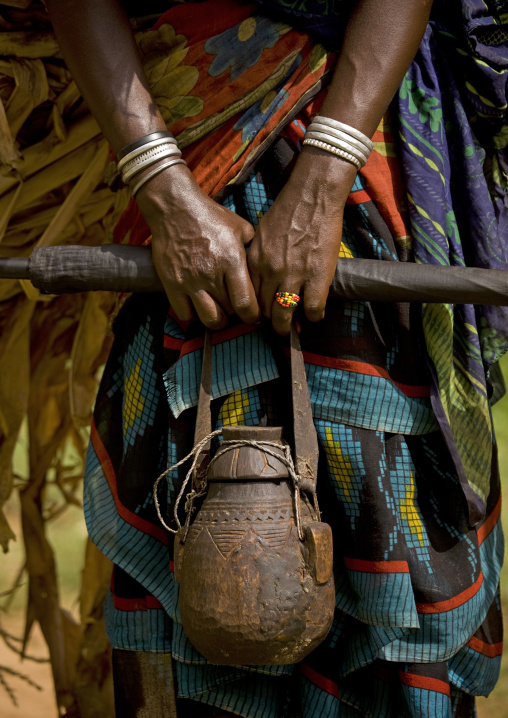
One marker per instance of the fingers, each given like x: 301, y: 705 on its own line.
x: 214, y: 304
x: 283, y: 309
x: 311, y: 296
x: 242, y: 294
x: 200, y: 304
x: 315, y: 296
x: 209, y: 311
x: 248, y: 233
x: 182, y: 306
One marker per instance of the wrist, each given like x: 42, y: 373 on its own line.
x: 324, y: 171
x: 166, y: 190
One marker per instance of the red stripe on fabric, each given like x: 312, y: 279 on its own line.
x: 449, y: 604
x: 358, y: 197
x: 191, y: 345
x: 382, y: 175
x: 109, y: 472
x: 173, y: 343
x: 429, y: 684
x: 358, y: 367
x: 183, y: 325
x: 489, y: 523
x: 356, y: 564
x: 320, y: 681
x: 491, y: 650
x: 146, y: 603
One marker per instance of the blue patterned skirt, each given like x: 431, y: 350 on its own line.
x: 417, y: 628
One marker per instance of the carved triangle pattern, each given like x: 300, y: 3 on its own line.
x: 226, y: 539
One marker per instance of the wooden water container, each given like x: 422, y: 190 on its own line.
x: 252, y: 592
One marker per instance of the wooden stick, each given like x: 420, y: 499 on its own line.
x: 121, y: 268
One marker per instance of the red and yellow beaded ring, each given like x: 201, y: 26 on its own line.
x: 287, y: 299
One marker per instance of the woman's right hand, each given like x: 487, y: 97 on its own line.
x: 198, y: 249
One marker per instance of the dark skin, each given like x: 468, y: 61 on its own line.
x: 198, y: 246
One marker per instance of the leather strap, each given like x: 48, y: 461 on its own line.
x: 305, y: 437
x: 204, y: 416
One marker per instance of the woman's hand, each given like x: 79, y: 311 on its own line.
x: 198, y: 248
x: 296, y: 246
x: 297, y: 243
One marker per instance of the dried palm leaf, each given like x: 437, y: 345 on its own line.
x: 50, y: 150
x: 50, y: 178
x: 89, y: 352
x: 52, y: 159
x: 30, y: 90
x: 14, y: 388
x: 44, y: 599
x: 94, y: 684
x: 81, y: 190
x: 31, y: 45
x: 9, y: 155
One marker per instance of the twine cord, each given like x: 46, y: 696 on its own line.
x: 195, y: 452
x: 286, y: 459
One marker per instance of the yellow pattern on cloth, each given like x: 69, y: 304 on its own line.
x: 409, y: 511
x: 233, y: 410
x: 163, y: 52
x: 134, y: 400
x: 339, y: 464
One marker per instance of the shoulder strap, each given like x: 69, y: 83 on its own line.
x: 305, y: 437
x: 204, y: 416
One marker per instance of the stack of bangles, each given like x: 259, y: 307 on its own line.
x: 145, y: 152
x: 342, y: 140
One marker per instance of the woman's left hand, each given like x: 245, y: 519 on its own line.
x: 296, y: 245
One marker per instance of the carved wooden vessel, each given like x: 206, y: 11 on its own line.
x: 252, y: 592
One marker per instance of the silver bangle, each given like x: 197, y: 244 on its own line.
x: 143, y: 180
x: 153, y: 152
x: 339, y: 144
x: 147, y: 146
x: 336, y: 125
x: 334, y: 151
x: 340, y: 135
x: 141, y: 162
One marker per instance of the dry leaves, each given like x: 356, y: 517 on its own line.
x: 52, y: 192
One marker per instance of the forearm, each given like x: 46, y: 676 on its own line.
x: 298, y: 240
x: 197, y: 245
x: 100, y: 50
x: 381, y: 40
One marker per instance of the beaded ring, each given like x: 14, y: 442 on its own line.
x: 287, y: 299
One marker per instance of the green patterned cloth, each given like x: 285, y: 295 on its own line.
x: 453, y: 125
